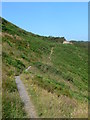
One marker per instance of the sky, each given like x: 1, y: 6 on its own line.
x: 62, y: 19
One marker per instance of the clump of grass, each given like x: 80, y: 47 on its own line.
x: 47, y: 68
x: 14, y: 62
x: 56, y: 106
x: 12, y: 106
x: 52, y: 85
x: 25, y: 57
x: 7, y: 39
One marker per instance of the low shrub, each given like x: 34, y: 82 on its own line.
x: 52, y: 85
x: 14, y: 62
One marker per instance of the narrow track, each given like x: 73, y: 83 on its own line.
x: 29, y: 107
x: 51, y: 52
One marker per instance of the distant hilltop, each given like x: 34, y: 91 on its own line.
x: 12, y: 31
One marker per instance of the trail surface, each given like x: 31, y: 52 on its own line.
x: 25, y: 98
x: 51, y: 52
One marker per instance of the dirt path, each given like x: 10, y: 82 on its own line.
x: 30, y: 110
x: 28, y: 68
x: 51, y: 52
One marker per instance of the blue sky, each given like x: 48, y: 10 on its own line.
x: 68, y: 19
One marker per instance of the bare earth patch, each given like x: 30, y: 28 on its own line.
x: 11, y: 36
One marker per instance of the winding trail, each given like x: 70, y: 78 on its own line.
x: 29, y: 107
x: 51, y: 52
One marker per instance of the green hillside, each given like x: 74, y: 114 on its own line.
x: 57, y: 81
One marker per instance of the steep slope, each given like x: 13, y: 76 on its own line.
x: 59, y: 71
x: 0, y: 75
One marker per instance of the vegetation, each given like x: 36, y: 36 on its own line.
x: 58, y: 76
x: 0, y: 79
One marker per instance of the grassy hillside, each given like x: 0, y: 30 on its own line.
x: 57, y: 81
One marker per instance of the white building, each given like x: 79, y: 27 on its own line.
x: 67, y: 42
